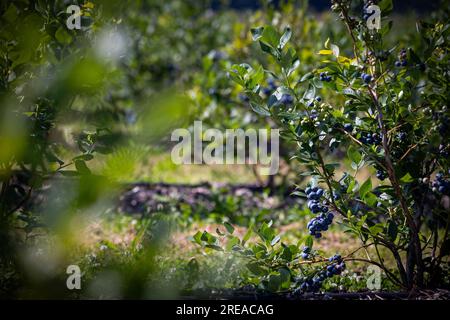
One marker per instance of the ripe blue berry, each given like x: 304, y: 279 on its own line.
x: 266, y: 91
x: 441, y: 185
x: 325, y: 77
x: 381, y: 175
x: 244, y: 98
x: 366, y: 77
x: 271, y: 84
x: 286, y: 99
x: 348, y: 127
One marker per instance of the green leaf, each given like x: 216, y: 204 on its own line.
x: 229, y: 227
x: 270, y: 37
x: 386, y: 6
x: 266, y: 232
x: 256, y: 77
x: 392, y: 230
x: 198, y: 237
x: 215, y: 247
x: 63, y: 36
x: 309, y: 241
x: 10, y: 14
x: 274, y: 283
x: 233, y: 241
x: 407, y: 178
x: 285, y: 37
x: 257, y: 269
x: 208, y: 238
x: 354, y: 154
x: 285, y: 277
x: 81, y: 166
x: 259, y: 110
x: 84, y: 157
x: 365, y: 188
x: 248, y: 234
x: 256, y: 33
x: 370, y: 199
x: 275, y: 240
x: 307, y: 76
x: 376, y: 229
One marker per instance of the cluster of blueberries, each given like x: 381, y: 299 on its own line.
x: 244, y: 97
x: 313, y: 195
x: 319, y: 224
x: 369, y: 138
x: 313, y: 284
x: 325, y: 77
x: 271, y: 87
x: 402, y: 136
x: 313, y: 114
x: 366, y: 77
x: 402, y: 61
x: 440, y: 184
x: 286, y: 99
x: 348, y: 127
x: 324, y: 219
x: 381, y: 174
x: 312, y: 102
x: 306, y: 251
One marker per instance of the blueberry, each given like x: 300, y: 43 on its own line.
x: 402, y: 136
x: 381, y: 175
x: 348, y: 127
x: 366, y: 77
x: 244, y: 98
x: 286, y: 99
x: 266, y: 91
x: 271, y: 84
x: 318, y: 99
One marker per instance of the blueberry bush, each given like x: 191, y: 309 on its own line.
x: 388, y: 111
